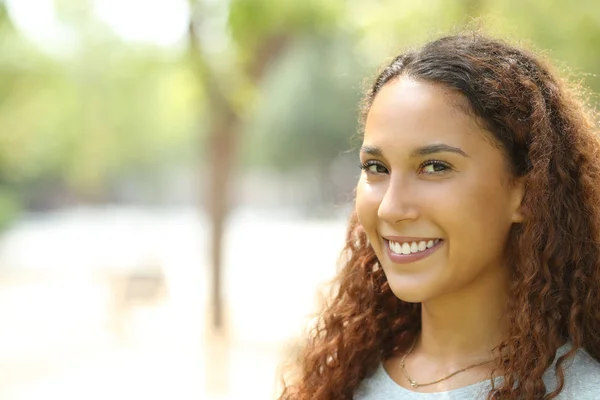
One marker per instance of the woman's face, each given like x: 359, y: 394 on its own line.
x: 435, y: 196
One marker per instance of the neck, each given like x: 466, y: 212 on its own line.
x: 467, y: 324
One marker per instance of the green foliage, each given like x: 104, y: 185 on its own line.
x: 251, y: 21
x: 569, y: 33
x: 104, y: 108
x: 308, y: 110
x: 103, y: 111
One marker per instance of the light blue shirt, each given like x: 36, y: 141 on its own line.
x: 582, y: 382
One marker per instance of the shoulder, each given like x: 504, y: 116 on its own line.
x: 374, y: 386
x: 582, y: 377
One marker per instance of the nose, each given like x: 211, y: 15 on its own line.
x: 399, y: 202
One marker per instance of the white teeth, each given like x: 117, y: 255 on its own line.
x: 413, y: 247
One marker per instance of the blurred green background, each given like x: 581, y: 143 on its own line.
x: 154, y: 150
x: 107, y: 101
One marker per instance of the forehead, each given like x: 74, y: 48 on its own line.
x: 407, y: 111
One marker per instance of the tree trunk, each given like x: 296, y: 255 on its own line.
x: 222, y: 156
x: 223, y: 139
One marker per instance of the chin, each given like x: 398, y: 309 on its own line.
x: 409, y: 293
x: 409, y: 297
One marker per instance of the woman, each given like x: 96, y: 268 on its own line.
x: 472, y: 262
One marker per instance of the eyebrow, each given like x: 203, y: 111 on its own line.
x: 418, y: 152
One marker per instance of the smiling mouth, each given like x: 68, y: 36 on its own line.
x: 409, y: 251
x: 406, y: 248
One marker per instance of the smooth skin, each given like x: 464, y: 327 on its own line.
x: 431, y: 171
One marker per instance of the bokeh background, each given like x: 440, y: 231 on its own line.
x: 176, y: 175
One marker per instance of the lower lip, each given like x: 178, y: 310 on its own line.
x: 409, y: 258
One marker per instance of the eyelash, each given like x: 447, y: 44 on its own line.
x: 366, y: 165
x: 444, y: 164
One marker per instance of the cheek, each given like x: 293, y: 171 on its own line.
x: 478, y: 219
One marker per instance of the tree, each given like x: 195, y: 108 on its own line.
x: 260, y: 31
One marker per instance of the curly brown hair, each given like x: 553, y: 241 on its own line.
x: 549, y: 138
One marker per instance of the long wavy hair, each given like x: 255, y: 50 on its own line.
x: 549, y: 139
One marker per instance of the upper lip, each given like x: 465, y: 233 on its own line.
x: 407, y: 239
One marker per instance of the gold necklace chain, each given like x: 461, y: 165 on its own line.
x: 417, y: 385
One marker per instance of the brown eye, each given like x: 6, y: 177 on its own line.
x: 374, y: 167
x: 433, y: 167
